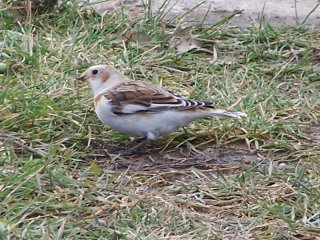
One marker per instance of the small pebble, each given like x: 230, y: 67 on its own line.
x: 3, y: 67
x: 282, y: 166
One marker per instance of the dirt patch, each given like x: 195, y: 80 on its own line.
x: 315, y: 133
x: 279, y: 13
x: 154, y: 160
x: 316, y: 54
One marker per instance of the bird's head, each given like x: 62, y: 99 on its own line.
x: 101, y: 77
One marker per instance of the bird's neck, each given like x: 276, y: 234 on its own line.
x: 111, y: 83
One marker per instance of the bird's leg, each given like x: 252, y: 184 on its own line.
x: 135, y: 149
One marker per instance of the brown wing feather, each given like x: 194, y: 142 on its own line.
x: 148, y: 98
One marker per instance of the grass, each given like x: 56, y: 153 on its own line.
x: 58, y: 182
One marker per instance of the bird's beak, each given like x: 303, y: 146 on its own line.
x: 82, y: 77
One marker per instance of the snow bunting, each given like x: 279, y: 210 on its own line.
x: 141, y: 109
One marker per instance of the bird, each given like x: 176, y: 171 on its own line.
x: 140, y: 109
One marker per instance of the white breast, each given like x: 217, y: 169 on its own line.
x: 151, y: 125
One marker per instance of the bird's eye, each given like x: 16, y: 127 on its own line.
x: 94, y: 72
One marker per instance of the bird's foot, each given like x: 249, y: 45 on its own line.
x: 136, y: 149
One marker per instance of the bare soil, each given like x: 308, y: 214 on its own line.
x: 315, y: 133
x: 229, y: 158
x: 279, y: 13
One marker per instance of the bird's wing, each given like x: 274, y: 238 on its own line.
x: 133, y: 97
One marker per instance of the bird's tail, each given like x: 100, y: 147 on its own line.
x: 227, y: 113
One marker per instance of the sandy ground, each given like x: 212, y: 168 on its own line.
x: 279, y: 13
